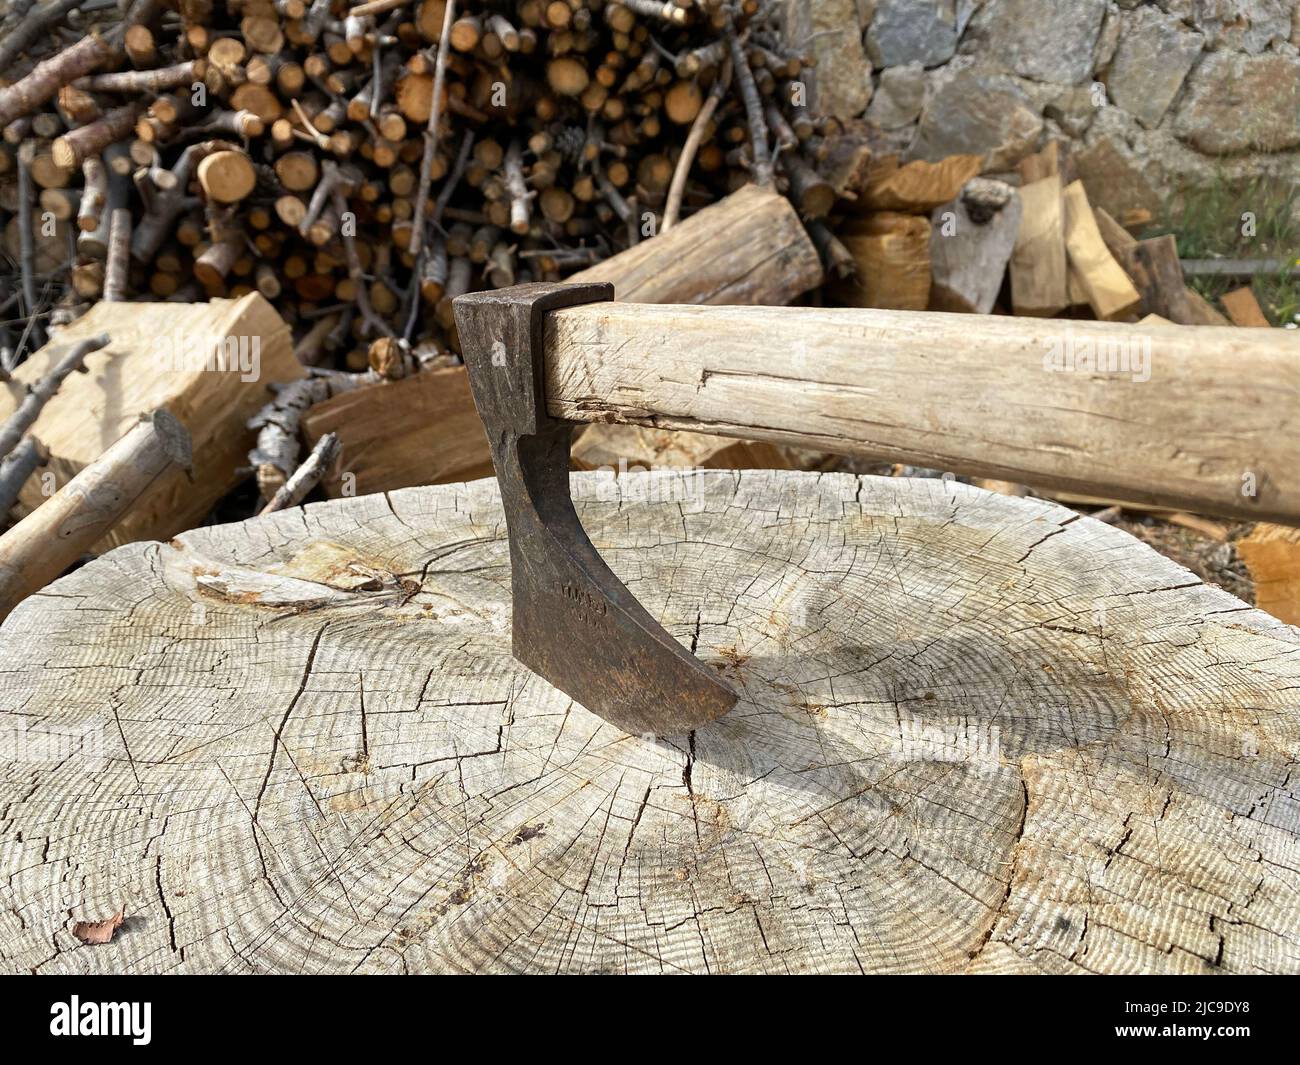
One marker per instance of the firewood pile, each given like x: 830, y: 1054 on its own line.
x: 362, y: 165
x: 945, y: 236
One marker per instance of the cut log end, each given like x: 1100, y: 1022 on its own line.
x: 227, y: 177
x: 910, y: 655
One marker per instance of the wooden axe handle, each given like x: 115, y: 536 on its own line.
x: 1203, y: 418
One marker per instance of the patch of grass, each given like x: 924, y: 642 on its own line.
x: 1208, y: 223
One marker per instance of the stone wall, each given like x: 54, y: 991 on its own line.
x: 1155, y: 96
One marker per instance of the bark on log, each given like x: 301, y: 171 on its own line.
x: 117, y: 260
x: 21, y: 30
x: 1200, y: 311
x: 277, y: 423
x: 48, y: 77
x: 74, y: 147
x: 976, y: 734
x: 15, y: 468
x: 90, y: 207
x: 1009, y: 401
x: 1154, y: 268
x: 307, y: 476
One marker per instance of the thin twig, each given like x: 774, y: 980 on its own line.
x: 312, y: 133
x: 763, y: 174
x: 26, y: 245
x: 306, y: 476
x: 673, y: 207
x: 371, y: 320
x: 376, y: 7
x: 440, y: 205
x: 21, y: 420
x: 431, y: 134
x: 16, y: 468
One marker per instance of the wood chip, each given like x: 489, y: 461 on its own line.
x: 1272, y: 555
x: 1244, y: 309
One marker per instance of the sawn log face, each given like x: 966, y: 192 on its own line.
x: 976, y: 733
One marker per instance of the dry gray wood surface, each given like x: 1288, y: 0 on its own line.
x: 1206, y: 419
x: 976, y: 734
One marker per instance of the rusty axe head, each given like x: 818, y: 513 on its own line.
x: 575, y: 624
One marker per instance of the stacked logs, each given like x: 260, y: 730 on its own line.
x: 363, y: 165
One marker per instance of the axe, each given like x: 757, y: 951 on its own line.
x: 1204, y: 418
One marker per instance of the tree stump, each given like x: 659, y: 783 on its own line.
x: 976, y: 734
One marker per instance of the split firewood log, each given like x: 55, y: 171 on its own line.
x: 976, y: 733
x: 1244, y: 309
x: 1154, y: 269
x: 917, y: 187
x: 419, y: 430
x: 892, y: 254
x: 1039, y: 266
x: 746, y: 249
x: 971, y: 241
x: 1200, y: 311
x: 1108, y: 289
x: 624, y: 449
x: 209, y: 363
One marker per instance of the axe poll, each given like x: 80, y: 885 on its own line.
x: 1200, y: 418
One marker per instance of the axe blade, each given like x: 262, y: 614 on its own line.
x: 574, y: 623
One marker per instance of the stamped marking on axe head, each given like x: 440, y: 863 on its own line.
x: 574, y: 623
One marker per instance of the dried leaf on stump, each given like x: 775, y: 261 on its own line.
x: 96, y: 933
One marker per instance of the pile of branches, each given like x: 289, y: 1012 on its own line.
x: 363, y: 164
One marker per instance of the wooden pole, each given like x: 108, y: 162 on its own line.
x: 1191, y: 418
x: 57, y: 533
